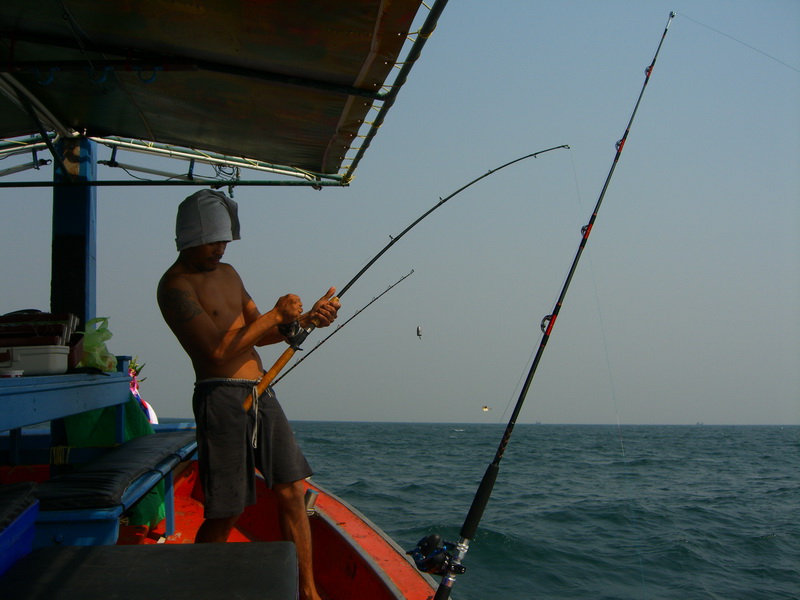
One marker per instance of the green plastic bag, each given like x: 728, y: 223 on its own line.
x: 95, y: 353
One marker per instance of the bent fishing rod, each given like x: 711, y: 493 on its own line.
x: 296, y: 334
x: 432, y: 554
x: 339, y: 327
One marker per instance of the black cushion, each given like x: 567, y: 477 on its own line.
x: 245, y: 571
x: 102, y: 482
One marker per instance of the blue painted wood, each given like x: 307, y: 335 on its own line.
x: 29, y: 400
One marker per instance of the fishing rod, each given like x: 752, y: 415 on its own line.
x: 432, y: 554
x: 362, y: 309
x: 296, y: 334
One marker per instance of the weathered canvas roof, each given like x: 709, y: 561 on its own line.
x: 288, y: 83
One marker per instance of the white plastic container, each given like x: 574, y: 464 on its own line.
x: 11, y: 373
x: 35, y: 360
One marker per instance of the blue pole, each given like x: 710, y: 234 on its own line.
x: 73, y: 283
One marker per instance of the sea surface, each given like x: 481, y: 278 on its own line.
x: 583, y: 512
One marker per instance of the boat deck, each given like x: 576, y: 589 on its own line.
x: 353, y: 559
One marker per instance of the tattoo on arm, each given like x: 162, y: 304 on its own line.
x: 183, y: 308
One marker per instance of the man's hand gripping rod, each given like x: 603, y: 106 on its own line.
x: 295, y: 336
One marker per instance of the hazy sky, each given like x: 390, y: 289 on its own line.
x: 685, y: 307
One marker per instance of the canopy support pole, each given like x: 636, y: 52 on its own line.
x: 74, y: 251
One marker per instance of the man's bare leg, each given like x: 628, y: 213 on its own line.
x: 215, y: 530
x: 296, y: 528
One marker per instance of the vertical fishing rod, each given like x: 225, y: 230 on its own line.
x: 452, y: 565
x: 296, y: 335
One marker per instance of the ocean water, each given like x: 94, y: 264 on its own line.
x: 583, y: 512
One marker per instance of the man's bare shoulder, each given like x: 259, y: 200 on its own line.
x: 177, y: 297
x: 177, y: 301
x: 174, y: 278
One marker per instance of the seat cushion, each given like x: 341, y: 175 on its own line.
x: 245, y: 571
x: 102, y: 482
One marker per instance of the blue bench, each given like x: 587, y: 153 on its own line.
x: 83, y: 507
x: 18, y: 509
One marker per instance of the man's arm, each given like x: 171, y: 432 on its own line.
x: 322, y: 314
x: 252, y: 314
x: 200, y: 336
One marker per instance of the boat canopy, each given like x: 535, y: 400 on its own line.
x: 286, y: 87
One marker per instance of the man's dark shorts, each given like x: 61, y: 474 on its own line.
x: 226, y: 455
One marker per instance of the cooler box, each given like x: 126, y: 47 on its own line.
x: 35, y: 360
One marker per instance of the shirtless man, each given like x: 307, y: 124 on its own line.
x: 204, y: 302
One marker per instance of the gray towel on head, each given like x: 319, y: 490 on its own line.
x: 206, y: 217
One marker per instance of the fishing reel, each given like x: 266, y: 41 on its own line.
x: 289, y: 330
x: 294, y: 334
x: 433, y: 555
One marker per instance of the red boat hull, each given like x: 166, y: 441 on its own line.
x: 353, y: 559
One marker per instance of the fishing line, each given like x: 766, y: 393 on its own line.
x: 525, y: 368
x: 296, y: 335
x: 358, y: 312
x: 612, y: 388
x: 613, y: 392
x: 738, y: 41
x: 628, y: 487
x: 436, y: 556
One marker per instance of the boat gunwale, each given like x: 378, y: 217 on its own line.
x: 381, y: 571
